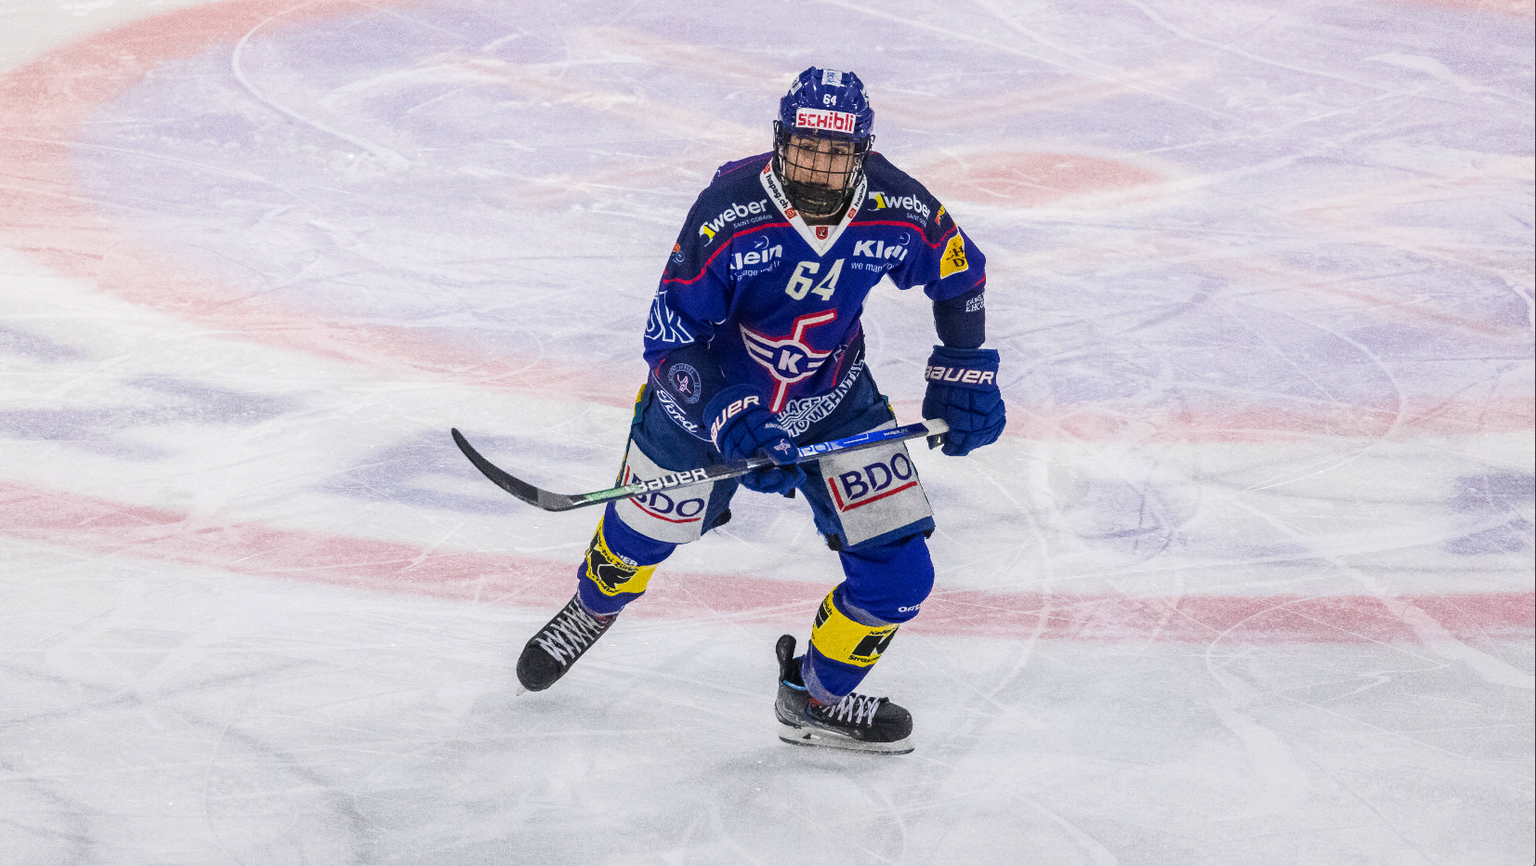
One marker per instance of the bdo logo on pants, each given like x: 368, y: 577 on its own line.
x: 872, y: 482
x: 661, y: 505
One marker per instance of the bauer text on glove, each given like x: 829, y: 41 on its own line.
x: 963, y: 390
x: 741, y: 426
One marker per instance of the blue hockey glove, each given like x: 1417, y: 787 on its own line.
x: 741, y: 426
x: 962, y: 389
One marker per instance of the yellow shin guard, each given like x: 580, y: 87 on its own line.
x: 840, y: 639
x: 613, y: 574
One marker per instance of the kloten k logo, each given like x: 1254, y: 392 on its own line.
x: 790, y: 359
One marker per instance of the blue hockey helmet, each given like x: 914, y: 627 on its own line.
x: 823, y: 133
x: 827, y: 103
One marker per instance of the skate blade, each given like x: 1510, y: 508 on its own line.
x: 818, y: 738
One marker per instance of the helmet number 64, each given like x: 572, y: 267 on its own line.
x: 801, y: 284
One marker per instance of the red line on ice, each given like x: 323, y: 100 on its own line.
x: 158, y: 534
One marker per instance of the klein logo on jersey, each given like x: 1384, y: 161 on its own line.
x: 757, y: 257
x: 737, y: 211
x: 909, y: 203
x: 880, y: 250
x: 789, y: 359
x: 960, y: 375
x: 872, y: 483
x: 826, y: 120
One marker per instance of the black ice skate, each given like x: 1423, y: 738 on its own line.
x: 551, y: 652
x: 858, y: 722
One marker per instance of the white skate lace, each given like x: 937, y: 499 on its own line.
x: 570, y: 633
x: 854, y: 709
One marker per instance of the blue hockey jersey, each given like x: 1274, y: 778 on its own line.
x: 753, y: 295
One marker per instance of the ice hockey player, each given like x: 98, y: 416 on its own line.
x: 754, y: 347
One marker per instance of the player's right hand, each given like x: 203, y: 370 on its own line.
x: 741, y: 426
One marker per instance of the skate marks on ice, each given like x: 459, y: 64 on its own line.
x: 413, y: 726
x: 459, y: 240
x: 1262, y: 274
x: 361, y: 271
x: 117, y: 530
x: 96, y: 237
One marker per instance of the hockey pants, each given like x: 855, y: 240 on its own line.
x: 871, y: 508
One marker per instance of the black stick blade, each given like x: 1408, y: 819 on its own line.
x: 513, y: 485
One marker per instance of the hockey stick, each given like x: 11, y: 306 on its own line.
x: 933, y: 429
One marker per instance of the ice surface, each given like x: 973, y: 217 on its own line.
x: 1249, y: 580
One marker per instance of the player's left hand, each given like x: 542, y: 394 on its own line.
x: 962, y: 389
x: 741, y: 426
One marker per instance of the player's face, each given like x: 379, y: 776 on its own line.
x: 822, y: 162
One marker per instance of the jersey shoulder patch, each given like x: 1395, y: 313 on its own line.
x: 953, y: 261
